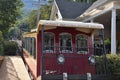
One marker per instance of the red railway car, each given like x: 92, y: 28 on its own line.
x: 64, y: 50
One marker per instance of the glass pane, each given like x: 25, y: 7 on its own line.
x: 82, y: 43
x: 65, y: 41
x: 49, y: 41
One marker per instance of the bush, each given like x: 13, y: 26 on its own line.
x: 114, y: 66
x: 1, y: 49
x: 10, y: 48
x: 113, y: 63
x: 108, y: 45
x: 1, y: 43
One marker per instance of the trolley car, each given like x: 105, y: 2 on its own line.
x: 64, y: 50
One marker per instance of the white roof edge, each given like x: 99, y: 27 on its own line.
x: 96, y: 4
x: 33, y: 30
x: 74, y: 24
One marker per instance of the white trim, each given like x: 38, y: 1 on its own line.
x: 97, y: 11
x: 74, y: 24
x: 58, y: 12
x: 98, y: 14
x: 117, y: 4
x: 33, y: 30
x: 55, y: 10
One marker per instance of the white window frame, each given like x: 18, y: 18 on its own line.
x: 49, y: 50
x: 66, y: 50
x: 82, y: 51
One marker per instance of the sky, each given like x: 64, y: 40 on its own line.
x: 33, y: 4
x: 30, y: 5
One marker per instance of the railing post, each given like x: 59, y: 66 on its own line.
x: 65, y: 76
x: 42, y: 54
x: 89, y: 76
x: 104, y: 53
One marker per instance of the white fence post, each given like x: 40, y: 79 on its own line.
x: 65, y: 76
x: 89, y: 76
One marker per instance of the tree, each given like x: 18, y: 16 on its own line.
x: 45, y: 12
x: 9, y: 11
x: 33, y: 19
x: 1, y: 43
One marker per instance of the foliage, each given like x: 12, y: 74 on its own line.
x: 9, y: 11
x: 1, y: 38
x: 114, y: 66
x: 10, y: 48
x: 14, y: 32
x: 21, y: 26
x: 45, y: 12
x: 113, y: 63
x: 33, y: 19
x: 108, y: 45
x: 1, y: 45
x: 107, y: 41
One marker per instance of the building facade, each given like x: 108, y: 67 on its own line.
x: 106, y: 12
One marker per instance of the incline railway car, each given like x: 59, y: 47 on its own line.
x: 64, y: 50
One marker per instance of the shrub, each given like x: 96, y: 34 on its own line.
x: 1, y: 43
x: 113, y: 63
x: 10, y: 48
x: 108, y: 45
x: 114, y: 66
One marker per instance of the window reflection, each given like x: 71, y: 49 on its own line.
x: 65, y: 42
x: 49, y: 41
x: 82, y: 43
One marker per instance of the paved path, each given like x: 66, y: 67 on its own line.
x: 13, y: 68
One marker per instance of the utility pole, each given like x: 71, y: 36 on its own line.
x: 38, y: 13
x: 39, y: 4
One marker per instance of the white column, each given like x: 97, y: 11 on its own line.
x: 113, y: 32
x: 92, y: 34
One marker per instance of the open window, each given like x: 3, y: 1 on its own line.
x: 65, y: 42
x: 49, y: 42
x: 82, y: 44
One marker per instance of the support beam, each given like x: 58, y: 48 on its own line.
x: 65, y: 76
x: 89, y: 77
x: 113, y: 31
x: 42, y: 54
x: 92, y: 21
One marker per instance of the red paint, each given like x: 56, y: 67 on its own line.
x: 72, y: 65
x: 38, y: 55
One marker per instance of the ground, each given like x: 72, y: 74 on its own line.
x: 13, y: 68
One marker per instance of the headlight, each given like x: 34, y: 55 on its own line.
x: 92, y: 59
x: 61, y: 58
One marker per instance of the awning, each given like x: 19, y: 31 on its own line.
x: 49, y: 24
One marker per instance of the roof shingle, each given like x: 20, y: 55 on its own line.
x: 71, y: 10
